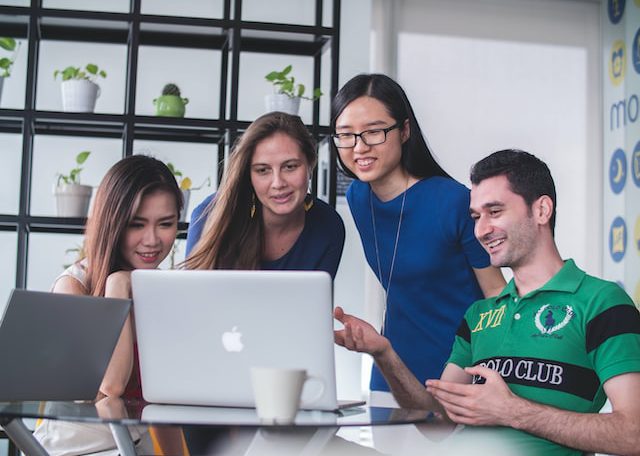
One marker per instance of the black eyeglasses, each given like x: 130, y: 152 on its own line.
x: 369, y: 137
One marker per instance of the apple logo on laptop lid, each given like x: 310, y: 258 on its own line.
x: 232, y: 340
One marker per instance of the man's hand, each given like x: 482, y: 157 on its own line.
x: 358, y: 335
x: 488, y: 404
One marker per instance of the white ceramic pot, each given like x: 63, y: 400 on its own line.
x: 79, y: 95
x: 72, y: 200
x: 185, y: 198
x: 283, y: 103
x: 1, y: 84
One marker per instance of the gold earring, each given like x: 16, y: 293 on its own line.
x: 308, y: 202
x: 252, y: 211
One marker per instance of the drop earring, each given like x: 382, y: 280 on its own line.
x: 308, y: 202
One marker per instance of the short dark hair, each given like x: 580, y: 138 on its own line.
x: 528, y: 176
x: 417, y: 158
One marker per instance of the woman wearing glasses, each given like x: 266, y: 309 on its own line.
x: 414, y: 223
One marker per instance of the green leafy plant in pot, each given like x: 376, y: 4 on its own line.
x: 170, y: 104
x: 186, y: 185
x: 11, y: 45
x: 287, y: 93
x: 72, y: 198
x: 79, y: 87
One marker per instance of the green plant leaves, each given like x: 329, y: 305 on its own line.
x: 176, y: 172
x: 74, y: 175
x: 72, y: 72
x: 286, y: 84
x: 7, y: 43
x: 82, y: 157
x: 274, y: 75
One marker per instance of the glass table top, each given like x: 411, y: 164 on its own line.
x: 130, y: 412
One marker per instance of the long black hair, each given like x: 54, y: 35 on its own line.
x: 417, y: 158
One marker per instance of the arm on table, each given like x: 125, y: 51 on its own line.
x: 120, y: 366
x: 360, y: 336
x: 493, y: 403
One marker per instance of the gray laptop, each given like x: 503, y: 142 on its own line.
x: 55, y: 346
x: 200, y: 332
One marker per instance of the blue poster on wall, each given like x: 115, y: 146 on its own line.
x: 618, y: 239
x: 615, y: 10
x: 618, y: 171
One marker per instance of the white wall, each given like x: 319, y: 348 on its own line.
x: 489, y: 74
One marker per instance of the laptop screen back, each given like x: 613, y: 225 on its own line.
x: 200, y: 332
x: 55, y: 346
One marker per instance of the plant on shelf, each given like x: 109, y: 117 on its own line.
x: 287, y: 93
x: 79, y: 87
x: 170, y: 104
x: 186, y: 185
x: 11, y: 45
x: 72, y: 198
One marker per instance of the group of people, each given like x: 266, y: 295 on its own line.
x: 539, y: 355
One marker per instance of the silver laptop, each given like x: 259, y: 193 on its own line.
x: 200, y: 332
x: 56, y: 346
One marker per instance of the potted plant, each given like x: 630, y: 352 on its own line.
x: 169, y: 104
x: 186, y: 186
x: 79, y: 87
x: 72, y: 198
x: 8, y: 44
x: 287, y: 93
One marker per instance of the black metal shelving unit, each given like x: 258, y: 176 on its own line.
x: 229, y: 35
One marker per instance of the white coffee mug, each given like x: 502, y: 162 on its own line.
x: 277, y: 393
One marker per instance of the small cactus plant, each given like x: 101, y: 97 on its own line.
x: 170, y: 103
x: 171, y: 89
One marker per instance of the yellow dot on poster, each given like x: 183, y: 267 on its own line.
x: 617, y: 59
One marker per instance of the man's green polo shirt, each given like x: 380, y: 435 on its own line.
x: 557, y: 345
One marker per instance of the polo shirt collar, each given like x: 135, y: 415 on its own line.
x: 567, y: 279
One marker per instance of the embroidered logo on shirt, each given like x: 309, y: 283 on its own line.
x: 490, y: 319
x: 550, y: 319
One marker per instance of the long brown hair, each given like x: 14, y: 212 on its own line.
x: 116, y: 203
x: 231, y: 238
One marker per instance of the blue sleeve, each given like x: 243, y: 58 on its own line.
x: 460, y: 224
x: 196, y: 225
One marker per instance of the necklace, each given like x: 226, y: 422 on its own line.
x: 395, y: 250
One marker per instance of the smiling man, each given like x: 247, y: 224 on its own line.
x: 543, y: 356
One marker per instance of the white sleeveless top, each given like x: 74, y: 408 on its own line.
x: 78, y: 271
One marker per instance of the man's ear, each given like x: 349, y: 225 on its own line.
x: 405, y: 132
x: 543, y: 209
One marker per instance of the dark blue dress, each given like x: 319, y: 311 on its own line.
x: 318, y: 248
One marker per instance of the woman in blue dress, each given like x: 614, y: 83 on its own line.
x: 262, y: 216
x: 414, y: 223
